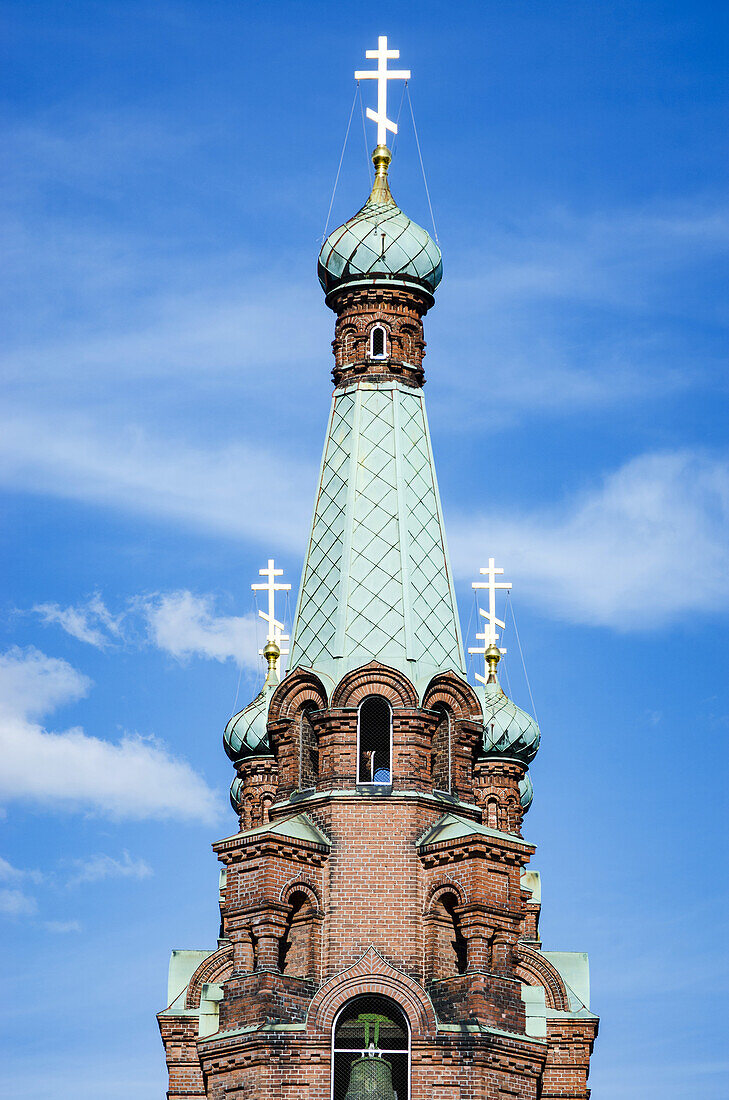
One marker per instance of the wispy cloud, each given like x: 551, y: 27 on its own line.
x: 134, y: 778
x: 186, y: 625
x: 181, y: 623
x: 98, y: 867
x: 16, y: 903
x: 91, y: 622
x: 62, y: 927
x: 225, y: 490
x: 617, y: 555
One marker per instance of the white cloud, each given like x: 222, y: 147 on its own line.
x: 133, y: 778
x: 91, y: 622
x: 186, y: 625
x: 646, y: 546
x: 228, y: 490
x: 15, y: 903
x: 98, y: 867
x: 62, y: 926
x: 8, y: 873
x: 179, y: 623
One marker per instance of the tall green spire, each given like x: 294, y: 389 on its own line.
x: 377, y: 582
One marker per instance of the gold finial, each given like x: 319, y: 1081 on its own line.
x: 272, y: 653
x: 493, y: 656
x: 381, y: 188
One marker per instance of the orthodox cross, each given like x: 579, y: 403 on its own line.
x: 275, y: 628
x: 489, y: 635
x: 382, y: 74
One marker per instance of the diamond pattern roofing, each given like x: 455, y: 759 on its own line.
x: 377, y: 582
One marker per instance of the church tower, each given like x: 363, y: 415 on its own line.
x: 379, y: 933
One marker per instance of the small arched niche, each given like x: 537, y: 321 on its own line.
x: 371, y: 1050
x: 378, y: 342
x: 448, y: 947
x: 374, y: 741
x: 296, y: 948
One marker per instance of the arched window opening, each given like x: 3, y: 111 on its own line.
x: 448, y: 947
x: 459, y: 944
x: 295, y: 948
x: 371, y: 1051
x: 308, y: 752
x: 378, y: 342
x: 492, y: 813
x: 442, y: 753
x: 374, y: 741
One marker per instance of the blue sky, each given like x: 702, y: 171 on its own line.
x: 167, y: 173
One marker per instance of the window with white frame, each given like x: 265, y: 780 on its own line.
x: 374, y: 741
x: 371, y: 1050
x: 378, y: 342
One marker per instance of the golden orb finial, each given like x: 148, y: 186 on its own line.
x: 493, y: 656
x: 381, y: 188
x: 271, y: 652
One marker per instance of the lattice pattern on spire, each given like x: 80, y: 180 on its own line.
x: 377, y: 582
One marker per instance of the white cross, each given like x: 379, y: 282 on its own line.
x: 275, y: 628
x: 489, y: 635
x: 382, y: 75
x: 491, y: 585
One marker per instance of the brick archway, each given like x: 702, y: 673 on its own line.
x: 374, y: 679
x: 372, y: 974
x: 216, y: 968
x: 534, y: 969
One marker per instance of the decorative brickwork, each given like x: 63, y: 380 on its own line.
x: 399, y: 310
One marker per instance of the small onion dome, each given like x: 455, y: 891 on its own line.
x: 380, y: 242
x: 235, y: 790
x: 507, y: 729
x: 245, y: 733
x: 526, y: 792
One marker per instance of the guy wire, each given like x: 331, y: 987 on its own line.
x: 339, y: 169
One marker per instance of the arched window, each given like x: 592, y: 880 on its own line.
x: 374, y: 741
x: 308, y: 753
x: 378, y: 342
x: 371, y: 1050
x: 442, y: 751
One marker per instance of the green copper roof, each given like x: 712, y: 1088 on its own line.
x: 377, y: 582
x: 508, y: 730
x: 245, y: 733
x: 380, y: 242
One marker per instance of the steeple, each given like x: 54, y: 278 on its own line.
x: 377, y: 583
x: 378, y: 925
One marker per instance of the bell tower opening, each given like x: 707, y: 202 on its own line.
x: 371, y: 1051
x: 374, y: 741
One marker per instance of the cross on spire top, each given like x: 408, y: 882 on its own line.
x: 489, y: 635
x: 275, y: 628
x: 382, y: 74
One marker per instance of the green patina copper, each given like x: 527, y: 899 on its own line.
x: 508, y: 730
x: 380, y: 243
x: 377, y: 583
x: 245, y: 733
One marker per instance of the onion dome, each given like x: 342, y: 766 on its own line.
x: 508, y: 730
x: 236, y: 788
x: 526, y: 792
x: 380, y: 243
x: 246, y: 732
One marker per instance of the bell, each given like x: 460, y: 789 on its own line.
x: 370, y: 1079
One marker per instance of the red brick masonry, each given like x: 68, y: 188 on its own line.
x: 332, y: 890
